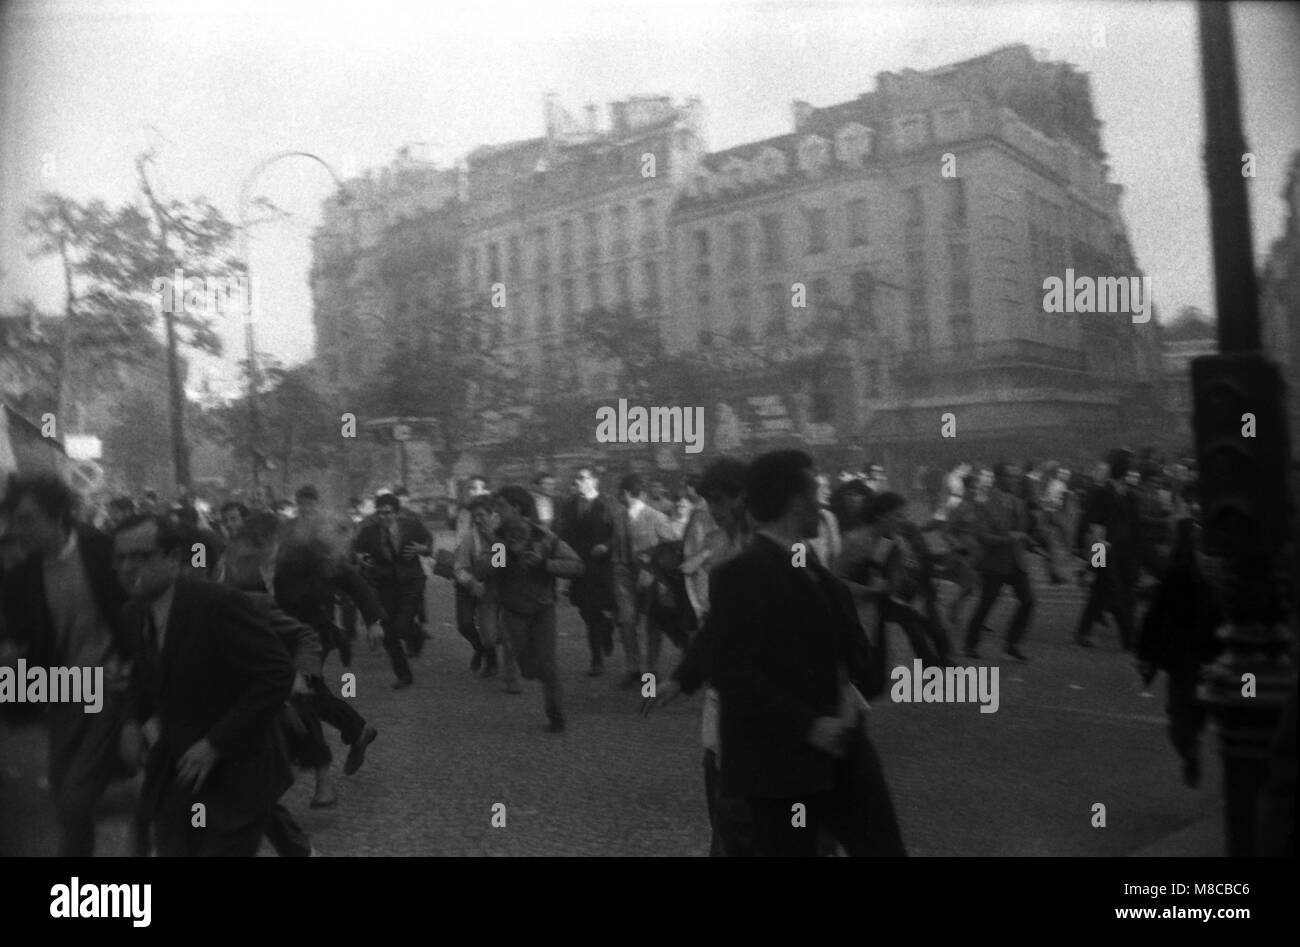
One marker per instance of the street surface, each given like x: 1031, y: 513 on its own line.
x: 1073, y: 729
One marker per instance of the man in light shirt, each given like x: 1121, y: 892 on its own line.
x: 637, y: 531
x: 544, y: 497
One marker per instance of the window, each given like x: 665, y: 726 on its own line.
x: 649, y: 225
x: 569, y: 299
x: 543, y: 250
x: 916, y: 281
x: 516, y: 259
x: 857, y: 213
x: 494, y: 263
x: 871, y: 373
x: 651, y: 273
x: 822, y: 409
x: 863, y: 304
x: 821, y: 298
x: 544, y: 324
x: 620, y: 231
x: 773, y: 251
x: 566, y: 245
x: 910, y: 131
x: 519, y: 320
x: 739, y: 235
x: 963, y: 331
x: 740, y: 315
x: 915, y: 209
x: 818, y: 239
x: 623, y: 281
x: 591, y: 223
x: 778, y: 307
x: 956, y: 202
x: 595, y: 295
x: 920, y: 335
x: 701, y: 238
x: 471, y: 263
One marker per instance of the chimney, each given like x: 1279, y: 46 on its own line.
x: 802, y: 112
x: 592, y: 118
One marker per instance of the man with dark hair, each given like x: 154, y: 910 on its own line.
x: 233, y: 516
x: 792, y: 668
x: 639, y: 528
x: 586, y: 523
x: 467, y: 610
x: 1112, y: 519
x: 390, y: 550
x: 1002, y: 530
x: 210, y: 679
x: 62, y: 608
x: 526, y: 591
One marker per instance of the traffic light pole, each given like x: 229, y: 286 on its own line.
x: 1243, y: 466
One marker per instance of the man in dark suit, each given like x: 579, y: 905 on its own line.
x: 792, y: 667
x: 1002, y: 529
x: 389, y: 549
x: 587, y: 523
x: 1113, y: 517
x: 62, y: 608
x: 210, y: 679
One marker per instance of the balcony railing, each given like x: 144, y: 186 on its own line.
x: 1011, y: 353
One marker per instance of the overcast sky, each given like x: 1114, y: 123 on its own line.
x: 215, y: 87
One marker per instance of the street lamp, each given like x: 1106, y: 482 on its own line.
x: 249, y: 340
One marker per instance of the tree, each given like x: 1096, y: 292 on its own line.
x: 111, y: 259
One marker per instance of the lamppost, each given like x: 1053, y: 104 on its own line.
x: 245, y: 190
x: 1242, y: 476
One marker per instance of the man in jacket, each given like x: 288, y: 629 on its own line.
x: 62, y: 608
x: 793, y: 665
x: 587, y: 524
x: 1002, y: 529
x: 210, y: 679
x: 535, y: 557
x: 390, y: 549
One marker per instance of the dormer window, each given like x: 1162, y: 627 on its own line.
x: 814, y: 153
x: 770, y: 164
x: 853, y: 144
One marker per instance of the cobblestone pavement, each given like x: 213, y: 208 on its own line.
x: 1073, y: 729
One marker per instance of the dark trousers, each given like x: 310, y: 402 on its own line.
x: 1111, y: 591
x: 225, y: 835
x: 83, y: 759
x: 286, y: 835
x: 533, y: 639
x: 467, y: 618
x: 336, y: 711
x: 595, y: 616
x: 400, y: 603
x: 857, y: 812
x: 730, y: 818
x: 990, y: 589
x: 926, y: 633
x: 1186, y: 713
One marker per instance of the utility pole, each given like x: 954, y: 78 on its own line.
x: 1243, y: 454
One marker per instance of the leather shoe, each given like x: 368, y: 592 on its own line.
x: 403, y: 683
x: 476, y: 662
x: 556, y: 725
x: 357, y: 752
x: 1082, y: 642
x: 1014, y: 652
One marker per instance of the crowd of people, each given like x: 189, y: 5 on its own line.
x: 775, y: 582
